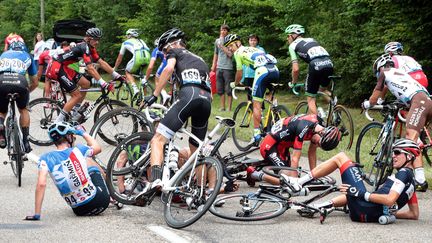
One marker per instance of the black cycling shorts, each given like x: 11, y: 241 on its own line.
x: 193, y: 102
x: 101, y: 200
x: 319, y: 71
x: 359, y: 209
x: 67, y: 77
x: 13, y: 83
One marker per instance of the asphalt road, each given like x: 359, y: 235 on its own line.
x: 137, y: 224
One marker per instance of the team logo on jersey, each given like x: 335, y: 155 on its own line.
x: 58, y: 174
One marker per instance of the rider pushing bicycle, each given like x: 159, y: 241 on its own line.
x: 194, y: 98
x: 14, y: 64
x: 266, y: 72
x: 411, y: 93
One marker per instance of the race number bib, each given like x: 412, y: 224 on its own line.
x: 277, y: 126
x: 191, y: 76
x: 12, y: 65
x: 260, y: 61
x: 317, y: 51
x: 81, y: 195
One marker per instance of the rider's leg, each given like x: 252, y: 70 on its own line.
x: 312, y: 105
x: 157, y: 156
x: 25, y: 123
x: 2, y: 131
x: 131, y: 81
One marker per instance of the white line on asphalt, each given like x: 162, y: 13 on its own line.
x: 167, y: 234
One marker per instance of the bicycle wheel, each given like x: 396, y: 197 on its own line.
x: 124, y: 179
x: 248, y: 207
x: 244, y: 129
x: 106, y: 107
x: 369, y: 152
x: 124, y: 94
x: 17, y: 156
x: 43, y: 112
x: 115, y: 126
x: 317, y: 184
x: 425, y: 137
x: 301, y: 108
x: 189, y: 202
x: 341, y: 118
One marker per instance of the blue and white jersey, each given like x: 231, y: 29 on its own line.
x: 17, y: 62
x: 403, y: 183
x: 156, y: 54
x: 68, y: 169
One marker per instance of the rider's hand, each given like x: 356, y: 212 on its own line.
x: 108, y: 86
x: 143, y: 81
x: 365, y: 105
x: 149, y: 100
x: 380, y: 101
x: 232, y: 85
x: 357, y: 192
x: 78, y: 130
x: 33, y: 217
x: 290, y: 85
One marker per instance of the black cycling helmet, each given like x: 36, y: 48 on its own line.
x: 59, y: 130
x: 94, y: 33
x: 170, y: 36
x: 330, y: 137
x: 230, y: 38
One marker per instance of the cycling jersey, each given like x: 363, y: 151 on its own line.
x: 264, y: 65
x: 362, y: 211
x: 412, y: 67
x: 307, y: 49
x: 190, y: 69
x: 140, y: 54
x: 249, y: 72
x: 81, y: 50
x: 400, y: 84
x: 68, y: 169
x: 289, y: 132
x: 13, y: 67
x: 156, y: 54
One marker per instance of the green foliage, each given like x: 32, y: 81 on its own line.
x: 353, y: 31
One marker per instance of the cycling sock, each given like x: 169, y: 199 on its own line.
x: 62, y: 116
x: 135, y: 88
x: 306, y: 178
x: 419, y: 175
x: 25, y: 132
x: 156, y: 173
x: 257, y: 175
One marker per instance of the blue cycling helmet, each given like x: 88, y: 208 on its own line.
x: 58, y: 130
x: 18, y: 46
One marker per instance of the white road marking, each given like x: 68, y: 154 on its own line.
x: 167, y: 234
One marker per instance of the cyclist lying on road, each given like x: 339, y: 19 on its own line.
x: 78, y: 178
x: 291, y: 132
x: 367, y: 206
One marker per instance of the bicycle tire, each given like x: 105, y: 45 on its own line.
x: 373, y: 171
x: 41, y: 118
x: 115, y: 126
x: 17, y: 153
x: 197, y: 200
x: 345, y: 126
x: 135, y: 174
x: 317, y: 184
x: 301, y: 108
x: 427, y: 151
x: 109, y: 106
x: 244, y: 126
x: 250, y: 204
x: 124, y: 94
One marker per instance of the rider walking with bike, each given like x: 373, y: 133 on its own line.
x: 14, y: 64
x: 140, y: 56
x: 318, y: 59
x: 266, y: 72
x: 367, y: 206
x: 70, y: 80
x: 194, y: 98
x: 78, y: 178
x: 410, y: 92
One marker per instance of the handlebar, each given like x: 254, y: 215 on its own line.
x: 381, y: 107
x: 238, y: 88
x: 296, y: 88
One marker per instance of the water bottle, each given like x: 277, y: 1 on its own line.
x: 386, y: 219
x: 173, y: 158
x: 321, y: 112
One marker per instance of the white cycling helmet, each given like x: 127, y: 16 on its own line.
x: 132, y: 32
x: 381, y: 62
x: 393, y: 47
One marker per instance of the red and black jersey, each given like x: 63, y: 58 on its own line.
x: 81, y: 50
x: 292, y: 131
